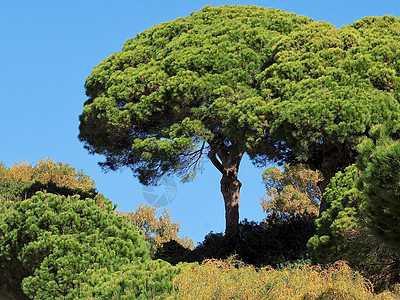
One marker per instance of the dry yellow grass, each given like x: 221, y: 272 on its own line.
x: 230, y: 279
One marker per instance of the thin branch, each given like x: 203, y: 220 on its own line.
x: 195, y: 161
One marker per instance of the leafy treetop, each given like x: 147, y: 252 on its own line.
x: 156, y: 230
x: 183, y: 90
x: 47, y: 171
x: 180, y: 87
x: 327, y: 87
x: 292, y: 191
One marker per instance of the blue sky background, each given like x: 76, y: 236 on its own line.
x: 47, y: 50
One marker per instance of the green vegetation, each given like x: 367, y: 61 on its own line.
x: 183, y: 90
x: 56, y: 243
x: 53, y: 240
x: 157, y: 231
x: 339, y: 223
x: 293, y: 191
x: 327, y: 87
x: 345, y: 232
x: 22, y: 180
x: 57, y: 246
x: 379, y: 165
x: 232, y: 80
x: 221, y: 83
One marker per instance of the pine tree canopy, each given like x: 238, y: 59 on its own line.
x: 232, y: 80
x: 327, y: 88
x: 183, y: 88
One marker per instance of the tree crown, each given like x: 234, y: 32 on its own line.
x: 182, y: 88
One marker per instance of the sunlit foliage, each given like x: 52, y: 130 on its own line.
x: 51, y: 246
x: 293, y: 190
x: 151, y: 280
x: 156, y: 230
x: 327, y: 87
x: 342, y: 218
x: 230, y: 279
x: 183, y: 91
x: 23, y: 179
x: 342, y: 233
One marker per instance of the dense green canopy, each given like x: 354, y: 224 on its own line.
x: 231, y: 80
x: 184, y: 89
x: 58, y: 247
x: 379, y: 162
x: 327, y: 87
x: 180, y: 84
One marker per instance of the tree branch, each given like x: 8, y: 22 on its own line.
x: 215, y: 161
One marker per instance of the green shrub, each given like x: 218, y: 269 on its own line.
x: 342, y: 233
x: 52, y: 245
x: 341, y: 219
x: 278, y: 239
x: 379, y: 164
x: 152, y: 280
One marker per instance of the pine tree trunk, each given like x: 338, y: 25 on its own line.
x: 230, y: 188
x: 227, y: 163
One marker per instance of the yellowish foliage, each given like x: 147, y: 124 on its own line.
x: 47, y: 170
x: 292, y: 191
x: 230, y: 279
x: 156, y: 230
x: 21, y: 171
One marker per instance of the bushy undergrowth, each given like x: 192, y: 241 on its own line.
x: 342, y: 233
x: 231, y: 279
x: 151, y: 280
x: 58, y: 247
x: 279, y: 239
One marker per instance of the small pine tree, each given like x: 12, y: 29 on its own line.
x: 52, y: 246
x: 379, y: 163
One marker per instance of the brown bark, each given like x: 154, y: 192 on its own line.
x: 227, y: 162
x: 230, y: 188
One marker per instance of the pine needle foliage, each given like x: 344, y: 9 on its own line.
x: 183, y: 91
x: 58, y: 247
x: 341, y: 219
x: 327, y: 88
x: 343, y: 234
x: 379, y: 163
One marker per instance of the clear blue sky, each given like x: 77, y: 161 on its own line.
x: 47, y: 50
